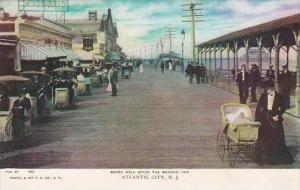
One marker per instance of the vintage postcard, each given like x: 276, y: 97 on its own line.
x: 149, y: 94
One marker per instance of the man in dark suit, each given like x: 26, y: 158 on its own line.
x: 254, y: 81
x: 242, y: 79
x: 203, y: 73
x: 198, y: 73
x: 284, y: 83
x: 18, y: 120
x: 190, y: 72
x: 162, y: 66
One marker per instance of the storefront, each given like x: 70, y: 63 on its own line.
x: 42, y: 43
x: 8, y: 56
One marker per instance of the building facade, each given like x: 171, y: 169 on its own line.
x: 95, y: 38
x: 39, y: 42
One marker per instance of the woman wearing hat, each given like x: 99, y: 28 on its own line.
x: 270, y: 74
x: 269, y: 112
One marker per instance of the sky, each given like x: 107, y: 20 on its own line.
x: 142, y: 22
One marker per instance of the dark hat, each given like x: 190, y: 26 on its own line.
x: 268, y: 83
x: 285, y: 66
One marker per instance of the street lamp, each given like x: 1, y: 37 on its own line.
x: 182, y: 48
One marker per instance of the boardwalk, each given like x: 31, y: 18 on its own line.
x: 157, y: 121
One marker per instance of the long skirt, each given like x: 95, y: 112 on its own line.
x: 273, y: 140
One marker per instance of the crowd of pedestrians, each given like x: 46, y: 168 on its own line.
x: 199, y: 71
x: 251, y: 80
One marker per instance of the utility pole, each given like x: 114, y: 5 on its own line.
x: 157, y: 47
x: 170, y: 33
x: 193, y: 12
x: 161, y: 46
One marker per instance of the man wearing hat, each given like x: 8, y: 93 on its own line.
x: 242, y: 79
x: 284, y: 84
x: 203, y: 73
x: 18, y: 120
x: 269, y: 113
x: 270, y: 74
x: 190, y: 72
x: 198, y: 72
x: 254, y: 81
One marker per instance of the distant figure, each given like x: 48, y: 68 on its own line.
x: 170, y: 66
x: 203, y: 73
x: 190, y: 72
x: 155, y: 65
x: 254, y: 81
x: 114, y: 80
x: 141, y: 70
x: 198, y: 73
x: 269, y: 112
x: 285, y: 85
x: 233, y: 73
x: 162, y: 66
x: 242, y: 80
x: 270, y: 74
x: 109, y: 88
x: 182, y: 66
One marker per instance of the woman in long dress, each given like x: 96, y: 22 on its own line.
x: 141, y: 68
x: 269, y: 112
x: 109, y: 88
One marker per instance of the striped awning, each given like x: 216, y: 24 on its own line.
x: 71, y: 55
x: 35, y: 52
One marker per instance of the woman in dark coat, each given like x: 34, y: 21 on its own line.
x: 269, y: 112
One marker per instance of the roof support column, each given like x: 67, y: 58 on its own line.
x: 209, y: 54
x: 17, y: 57
x: 236, y: 57
x: 198, y: 57
x: 221, y: 60
x: 287, y: 55
x: 201, y: 58
x: 260, y: 48
x: 221, y: 56
x: 205, y: 58
x: 270, y: 49
x: 277, y: 51
x: 246, y: 43
x: 297, y: 39
x: 228, y: 61
x: 215, y: 65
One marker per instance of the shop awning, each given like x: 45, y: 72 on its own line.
x: 59, y: 51
x: 71, y: 55
x: 35, y: 52
x: 29, y: 52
